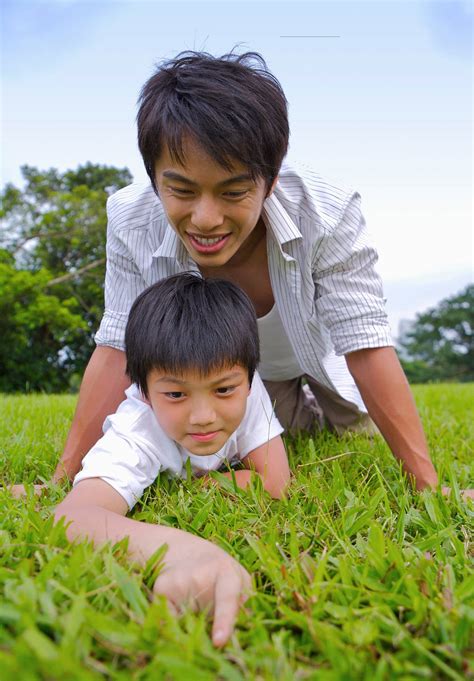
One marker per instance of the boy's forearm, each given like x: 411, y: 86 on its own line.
x: 101, y: 525
x: 388, y: 398
x: 101, y: 392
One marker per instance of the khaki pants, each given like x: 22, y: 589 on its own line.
x: 311, y: 406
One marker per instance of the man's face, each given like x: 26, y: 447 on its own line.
x: 199, y: 413
x: 214, y: 211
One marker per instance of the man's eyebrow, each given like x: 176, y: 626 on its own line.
x: 172, y: 175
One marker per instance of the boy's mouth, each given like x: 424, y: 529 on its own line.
x: 204, y: 437
x: 204, y: 244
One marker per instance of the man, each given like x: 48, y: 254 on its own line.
x: 213, y: 134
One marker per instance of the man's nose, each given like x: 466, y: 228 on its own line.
x: 207, y: 214
x: 202, y: 413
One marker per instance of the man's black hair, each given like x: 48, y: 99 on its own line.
x: 232, y: 106
x: 187, y: 323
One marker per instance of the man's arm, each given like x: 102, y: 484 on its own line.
x: 195, y: 572
x: 102, y: 390
x: 270, y: 462
x: 388, y: 398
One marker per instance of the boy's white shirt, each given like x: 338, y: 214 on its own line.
x: 134, y: 447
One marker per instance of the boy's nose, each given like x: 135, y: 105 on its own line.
x: 202, y: 414
x: 206, y: 215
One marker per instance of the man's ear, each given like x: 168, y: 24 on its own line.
x: 273, y: 185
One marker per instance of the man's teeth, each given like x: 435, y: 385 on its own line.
x: 207, y: 242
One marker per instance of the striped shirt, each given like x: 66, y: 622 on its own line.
x: 320, y: 260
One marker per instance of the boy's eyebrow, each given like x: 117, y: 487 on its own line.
x: 172, y: 175
x: 170, y: 379
x: 173, y: 379
x: 227, y: 377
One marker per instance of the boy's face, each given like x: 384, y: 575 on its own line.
x: 199, y: 413
x: 213, y: 211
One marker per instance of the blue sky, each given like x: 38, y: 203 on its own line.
x: 385, y: 107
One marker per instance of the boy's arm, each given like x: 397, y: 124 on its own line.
x: 102, y: 390
x: 270, y: 462
x: 195, y: 572
x: 387, y: 396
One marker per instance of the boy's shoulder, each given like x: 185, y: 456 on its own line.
x: 135, y: 422
x: 134, y: 416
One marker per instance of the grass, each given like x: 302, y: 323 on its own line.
x: 357, y: 576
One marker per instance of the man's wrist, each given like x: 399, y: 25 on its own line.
x: 65, y: 471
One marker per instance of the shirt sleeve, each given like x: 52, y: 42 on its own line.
x: 260, y: 424
x: 123, y: 459
x: 349, y: 293
x: 123, y: 281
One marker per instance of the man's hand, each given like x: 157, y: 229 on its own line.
x: 387, y: 396
x: 465, y: 493
x: 20, y: 490
x: 204, y: 577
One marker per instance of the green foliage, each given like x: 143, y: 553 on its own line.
x: 55, y: 228
x: 34, y: 328
x: 441, y: 344
x: 358, y: 578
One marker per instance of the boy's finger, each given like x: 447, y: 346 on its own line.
x: 227, y: 601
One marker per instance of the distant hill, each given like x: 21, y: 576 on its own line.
x: 407, y: 297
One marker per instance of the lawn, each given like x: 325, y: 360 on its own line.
x: 357, y: 577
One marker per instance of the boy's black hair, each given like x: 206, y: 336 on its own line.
x: 187, y: 323
x: 232, y: 106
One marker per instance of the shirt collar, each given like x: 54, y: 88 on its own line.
x: 172, y: 247
x: 279, y: 222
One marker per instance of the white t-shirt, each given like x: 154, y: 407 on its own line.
x: 134, y: 447
x: 277, y: 358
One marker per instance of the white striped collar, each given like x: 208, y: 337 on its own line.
x: 279, y: 222
x: 172, y: 247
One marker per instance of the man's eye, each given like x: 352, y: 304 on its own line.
x: 181, y: 192
x: 236, y: 195
x: 175, y: 395
x: 227, y: 390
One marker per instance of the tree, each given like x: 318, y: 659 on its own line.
x: 55, y: 227
x: 37, y: 332
x: 440, y: 345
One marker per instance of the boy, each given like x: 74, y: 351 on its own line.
x: 192, y: 349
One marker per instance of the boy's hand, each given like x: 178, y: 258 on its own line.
x: 203, y: 576
x: 195, y: 571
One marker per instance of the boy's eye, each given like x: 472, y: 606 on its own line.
x: 227, y: 390
x: 174, y: 395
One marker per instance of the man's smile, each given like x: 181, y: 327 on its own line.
x: 204, y: 244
